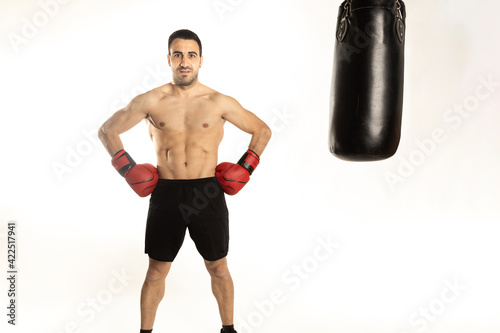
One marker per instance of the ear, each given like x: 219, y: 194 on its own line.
x: 168, y: 60
x: 201, y: 61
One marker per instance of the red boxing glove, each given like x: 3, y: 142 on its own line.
x: 142, y: 178
x: 232, y: 177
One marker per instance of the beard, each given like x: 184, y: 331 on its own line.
x: 185, y: 81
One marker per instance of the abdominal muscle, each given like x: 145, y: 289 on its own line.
x: 189, y: 163
x: 181, y: 156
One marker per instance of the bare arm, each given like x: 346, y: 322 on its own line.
x: 247, y: 122
x: 121, y: 121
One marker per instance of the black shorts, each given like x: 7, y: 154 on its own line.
x: 196, y: 204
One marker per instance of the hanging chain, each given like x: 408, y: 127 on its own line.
x: 398, y: 10
x: 346, y: 8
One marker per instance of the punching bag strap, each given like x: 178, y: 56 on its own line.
x: 400, y: 24
x: 342, y: 28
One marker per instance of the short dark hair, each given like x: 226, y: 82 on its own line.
x: 184, y: 34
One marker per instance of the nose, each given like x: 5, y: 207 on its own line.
x: 184, y: 62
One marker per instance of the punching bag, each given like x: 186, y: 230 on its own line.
x: 366, y: 100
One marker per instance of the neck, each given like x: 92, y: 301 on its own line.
x: 185, y: 90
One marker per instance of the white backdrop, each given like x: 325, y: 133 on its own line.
x: 408, y: 244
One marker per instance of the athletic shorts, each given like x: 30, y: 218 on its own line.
x: 196, y: 204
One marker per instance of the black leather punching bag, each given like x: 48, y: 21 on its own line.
x: 367, y: 82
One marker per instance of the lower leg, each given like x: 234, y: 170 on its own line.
x: 222, y: 288
x: 152, y: 292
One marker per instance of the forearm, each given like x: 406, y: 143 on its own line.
x: 110, y: 139
x: 260, y: 139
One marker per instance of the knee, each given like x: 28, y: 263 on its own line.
x: 218, y: 270
x: 157, y: 271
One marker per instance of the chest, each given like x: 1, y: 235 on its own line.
x: 186, y: 115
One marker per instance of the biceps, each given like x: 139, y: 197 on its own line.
x: 123, y: 120
x: 245, y: 121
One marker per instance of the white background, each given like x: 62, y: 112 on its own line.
x: 401, y: 244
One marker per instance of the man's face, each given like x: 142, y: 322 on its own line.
x: 185, y: 61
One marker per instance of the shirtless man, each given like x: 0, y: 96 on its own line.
x: 185, y: 120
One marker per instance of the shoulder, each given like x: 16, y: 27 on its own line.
x: 223, y: 101
x: 150, y: 98
x: 159, y: 93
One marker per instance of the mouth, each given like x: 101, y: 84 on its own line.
x: 184, y: 71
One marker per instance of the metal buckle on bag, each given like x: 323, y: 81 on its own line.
x: 342, y: 29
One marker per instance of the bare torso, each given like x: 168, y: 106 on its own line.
x: 186, y: 132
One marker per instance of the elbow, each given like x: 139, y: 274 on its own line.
x: 266, y: 133
x: 103, y: 132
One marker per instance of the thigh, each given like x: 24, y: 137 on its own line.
x: 209, y: 229
x: 165, y: 228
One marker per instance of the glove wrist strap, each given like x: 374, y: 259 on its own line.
x: 123, y: 162
x: 249, y: 160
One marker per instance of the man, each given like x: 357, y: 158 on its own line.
x: 185, y: 121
